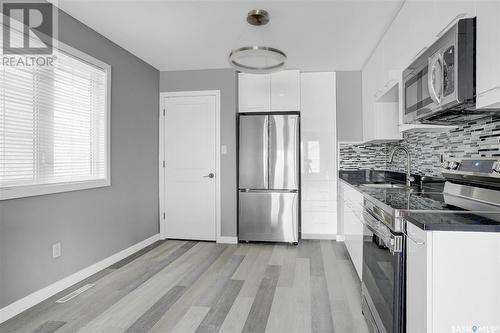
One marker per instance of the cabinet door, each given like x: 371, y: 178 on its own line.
x: 318, y: 144
x: 347, y: 218
x: 355, y: 243
x: 317, y: 127
x: 254, y: 92
x: 488, y: 54
x: 353, y: 227
x: 285, y: 91
x: 386, y: 121
x: 416, y: 280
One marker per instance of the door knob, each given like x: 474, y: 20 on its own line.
x: 210, y: 175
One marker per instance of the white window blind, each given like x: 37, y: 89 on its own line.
x: 53, y: 127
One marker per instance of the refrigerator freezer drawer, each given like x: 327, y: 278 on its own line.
x: 268, y: 216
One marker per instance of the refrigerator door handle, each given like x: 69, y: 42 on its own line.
x: 265, y: 152
x: 250, y: 190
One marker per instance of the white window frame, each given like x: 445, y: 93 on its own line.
x: 23, y: 191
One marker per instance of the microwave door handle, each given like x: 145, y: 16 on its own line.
x: 430, y: 82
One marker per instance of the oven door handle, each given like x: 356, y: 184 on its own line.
x: 393, y: 242
x: 368, y: 217
x: 371, y: 228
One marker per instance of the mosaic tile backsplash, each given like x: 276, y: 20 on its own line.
x: 479, y: 138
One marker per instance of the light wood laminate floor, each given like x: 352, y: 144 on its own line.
x: 186, y: 286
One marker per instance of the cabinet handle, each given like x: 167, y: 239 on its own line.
x: 456, y: 18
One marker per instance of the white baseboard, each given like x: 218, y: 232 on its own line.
x: 319, y: 236
x: 38, y: 296
x: 227, y: 240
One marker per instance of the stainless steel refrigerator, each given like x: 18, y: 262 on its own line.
x: 269, y: 178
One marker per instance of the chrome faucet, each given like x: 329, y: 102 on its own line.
x: 409, y: 178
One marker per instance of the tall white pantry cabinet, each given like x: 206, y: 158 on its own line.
x: 314, y: 95
x: 319, y: 155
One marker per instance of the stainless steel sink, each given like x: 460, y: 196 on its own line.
x: 384, y: 185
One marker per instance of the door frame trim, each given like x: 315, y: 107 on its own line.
x: 161, y: 158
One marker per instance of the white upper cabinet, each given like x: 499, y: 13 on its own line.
x: 269, y: 92
x: 285, y: 91
x: 384, y: 126
x: 488, y: 54
x: 254, y: 92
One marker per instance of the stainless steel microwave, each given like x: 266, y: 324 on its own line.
x: 439, y: 86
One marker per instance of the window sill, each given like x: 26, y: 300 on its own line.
x: 35, y: 190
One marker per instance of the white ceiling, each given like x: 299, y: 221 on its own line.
x: 182, y: 35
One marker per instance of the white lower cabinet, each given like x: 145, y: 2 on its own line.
x: 352, y: 207
x: 418, y: 249
x: 452, y: 281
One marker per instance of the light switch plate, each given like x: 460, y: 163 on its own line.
x: 223, y: 149
x: 56, y: 250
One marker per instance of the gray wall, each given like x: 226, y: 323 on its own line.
x: 349, y: 106
x: 224, y: 80
x: 90, y: 224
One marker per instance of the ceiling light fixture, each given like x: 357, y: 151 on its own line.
x: 257, y: 59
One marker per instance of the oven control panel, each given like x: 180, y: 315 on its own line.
x: 496, y: 167
x: 484, y: 167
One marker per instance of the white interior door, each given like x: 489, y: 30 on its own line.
x: 190, y: 167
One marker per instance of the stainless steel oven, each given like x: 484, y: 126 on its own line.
x: 383, y: 281
x: 439, y: 86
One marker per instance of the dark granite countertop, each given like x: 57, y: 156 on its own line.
x: 454, y: 221
x: 423, y: 205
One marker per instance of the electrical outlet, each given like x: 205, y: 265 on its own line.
x: 56, y: 250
